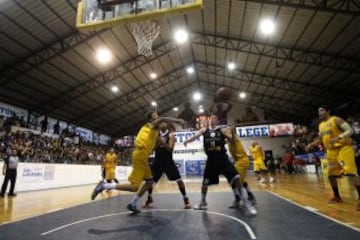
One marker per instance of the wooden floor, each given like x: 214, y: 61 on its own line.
x: 307, y: 190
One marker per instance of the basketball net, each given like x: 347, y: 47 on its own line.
x: 145, y: 33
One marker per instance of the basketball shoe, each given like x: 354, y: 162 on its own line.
x: 187, y: 203
x: 335, y: 200
x: 201, y: 206
x: 149, y: 202
x: 98, y: 189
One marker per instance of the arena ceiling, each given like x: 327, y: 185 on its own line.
x: 48, y: 66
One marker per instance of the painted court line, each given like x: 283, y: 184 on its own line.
x: 310, y: 208
x: 316, y: 212
x: 55, y: 210
x: 246, y: 226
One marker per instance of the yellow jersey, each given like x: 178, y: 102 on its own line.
x: 146, y: 137
x: 327, y: 130
x: 236, y: 149
x: 110, y: 160
x: 256, y: 152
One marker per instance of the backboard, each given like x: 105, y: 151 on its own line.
x: 98, y: 14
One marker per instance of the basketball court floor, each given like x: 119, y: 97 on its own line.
x: 278, y: 217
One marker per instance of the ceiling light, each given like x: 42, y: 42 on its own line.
x: 267, y: 26
x: 103, y: 55
x: 181, y: 36
x: 201, y: 110
x: 175, y: 109
x: 153, y: 75
x: 153, y: 103
x: 190, y: 70
x: 197, y: 96
x: 231, y: 66
x: 242, y: 95
x: 114, y: 88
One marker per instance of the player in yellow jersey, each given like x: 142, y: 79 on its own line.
x: 257, y: 155
x: 144, y: 145
x: 110, y: 162
x: 334, y: 133
x: 242, y: 164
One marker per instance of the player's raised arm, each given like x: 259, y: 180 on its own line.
x: 197, y: 135
x: 159, y: 120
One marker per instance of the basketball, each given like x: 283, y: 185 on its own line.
x: 223, y: 93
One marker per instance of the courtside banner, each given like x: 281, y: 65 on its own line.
x: 180, y: 164
x: 195, y: 167
x: 253, y: 131
x: 193, y: 150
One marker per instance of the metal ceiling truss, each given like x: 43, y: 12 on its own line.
x: 109, y: 106
x: 107, y: 77
x: 337, y: 6
x: 284, y: 53
x: 45, y: 54
x: 137, y: 116
x: 263, y: 101
x: 263, y: 80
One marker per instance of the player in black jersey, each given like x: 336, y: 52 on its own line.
x: 218, y: 162
x: 164, y: 163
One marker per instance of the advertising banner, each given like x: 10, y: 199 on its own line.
x: 195, y: 167
x: 38, y: 173
x: 253, y: 131
x: 193, y: 150
x: 181, y: 166
x: 281, y: 129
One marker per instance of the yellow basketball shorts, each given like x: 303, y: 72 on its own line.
x: 259, y: 165
x: 242, y: 165
x: 109, y: 173
x: 140, y: 167
x: 341, y: 161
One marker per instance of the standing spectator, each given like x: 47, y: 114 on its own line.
x: 221, y: 109
x: 2, y: 120
x: 44, y: 124
x: 277, y: 164
x: 57, y: 128
x: 10, y: 172
x: 22, y: 122
x: 317, y: 162
x: 249, y: 116
x: 288, y: 160
x: 189, y: 116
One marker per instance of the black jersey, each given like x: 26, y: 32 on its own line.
x: 161, y: 151
x: 214, y: 141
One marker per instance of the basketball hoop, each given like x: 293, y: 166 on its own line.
x: 145, y: 33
